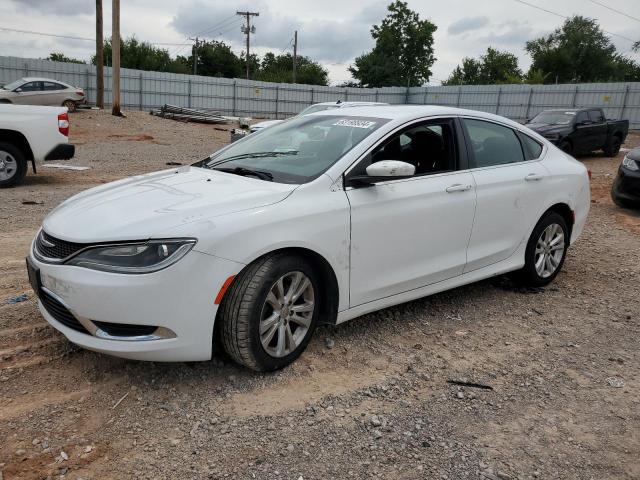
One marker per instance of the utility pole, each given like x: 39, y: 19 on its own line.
x: 99, y: 57
x: 248, y: 30
x: 295, y: 53
x: 195, y: 56
x: 115, y: 61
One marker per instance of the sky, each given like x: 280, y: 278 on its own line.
x: 332, y: 32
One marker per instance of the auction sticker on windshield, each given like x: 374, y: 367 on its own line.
x: 355, y: 123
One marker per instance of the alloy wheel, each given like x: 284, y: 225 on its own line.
x: 549, y: 250
x: 287, y: 314
x: 8, y: 166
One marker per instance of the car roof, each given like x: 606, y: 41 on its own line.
x: 411, y: 112
x: 42, y: 79
x: 350, y: 104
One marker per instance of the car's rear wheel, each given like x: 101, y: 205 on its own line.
x: 270, y: 311
x: 70, y: 104
x: 612, y: 147
x: 546, y: 251
x: 13, y: 165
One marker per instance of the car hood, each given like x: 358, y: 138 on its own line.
x: 145, y: 206
x: 546, y: 128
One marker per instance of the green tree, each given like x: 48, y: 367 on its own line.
x: 143, y: 56
x: 494, y: 67
x: 579, y: 51
x: 61, y: 57
x: 279, y: 68
x: 403, y: 53
x: 216, y: 59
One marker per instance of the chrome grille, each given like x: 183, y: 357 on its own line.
x: 49, y: 247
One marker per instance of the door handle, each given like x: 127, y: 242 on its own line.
x: 533, y: 177
x: 458, y: 187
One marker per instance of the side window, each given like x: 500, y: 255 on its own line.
x: 532, y: 148
x: 596, y: 116
x: 32, y: 87
x: 430, y: 147
x: 493, y: 144
x: 52, y: 86
x: 581, y: 118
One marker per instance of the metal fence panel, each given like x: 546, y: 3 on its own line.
x: 144, y: 90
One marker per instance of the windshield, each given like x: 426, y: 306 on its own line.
x: 296, y: 151
x: 316, y: 108
x: 13, y: 85
x: 554, y: 118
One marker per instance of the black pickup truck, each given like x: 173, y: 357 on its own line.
x: 581, y: 130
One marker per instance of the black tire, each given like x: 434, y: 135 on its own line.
x: 242, y: 307
x: 70, y: 104
x: 612, y: 148
x: 18, y: 171
x: 528, y: 275
x: 566, y: 147
x: 4, y: 100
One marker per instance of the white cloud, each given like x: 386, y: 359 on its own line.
x: 331, y: 31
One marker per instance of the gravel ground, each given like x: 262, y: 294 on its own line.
x: 369, y: 399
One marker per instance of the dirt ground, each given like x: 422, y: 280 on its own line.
x: 369, y: 399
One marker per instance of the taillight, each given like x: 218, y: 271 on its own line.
x: 589, y: 173
x: 63, y: 124
x: 80, y: 92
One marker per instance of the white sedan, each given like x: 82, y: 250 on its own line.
x: 318, y: 220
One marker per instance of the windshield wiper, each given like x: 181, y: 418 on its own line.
x: 246, y: 172
x: 256, y: 155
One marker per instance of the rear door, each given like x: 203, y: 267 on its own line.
x: 411, y: 232
x: 599, y: 128
x: 53, y: 93
x: 585, y: 138
x: 509, y: 189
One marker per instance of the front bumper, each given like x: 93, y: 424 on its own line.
x: 63, y: 151
x: 178, y: 300
x: 626, y: 187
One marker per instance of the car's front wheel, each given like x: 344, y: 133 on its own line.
x: 270, y: 311
x: 546, y: 251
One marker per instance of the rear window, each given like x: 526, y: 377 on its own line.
x: 596, y: 116
x: 53, y: 86
x: 532, y: 148
x: 493, y: 144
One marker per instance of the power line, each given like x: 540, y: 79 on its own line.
x: 44, y: 34
x: 617, y: 11
x: 564, y: 16
x: 224, y: 24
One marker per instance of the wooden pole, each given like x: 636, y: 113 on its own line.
x: 115, y: 62
x: 99, y: 57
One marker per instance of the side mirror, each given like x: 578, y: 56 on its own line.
x: 384, y: 170
x: 18, y: 90
x: 390, y: 168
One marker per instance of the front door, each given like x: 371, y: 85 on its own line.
x: 408, y: 233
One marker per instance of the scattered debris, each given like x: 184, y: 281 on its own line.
x: 173, y: 163
x: 465, y: 383
x: 615, y: 382
x: 17, y: 299
x: 65, y: 167
x: 329, y: 343
x: 200, y: 115
x: 120, y: 401
x: 32, y: 202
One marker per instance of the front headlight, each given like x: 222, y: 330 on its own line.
x: 145, y: 257
x: 630, y: 164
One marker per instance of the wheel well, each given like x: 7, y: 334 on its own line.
x: 18, y: 140
x: 4, y: 100
x: 565, y: 212
x: 328, y: 280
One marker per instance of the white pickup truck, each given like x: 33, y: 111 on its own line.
x: 30, y: 134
